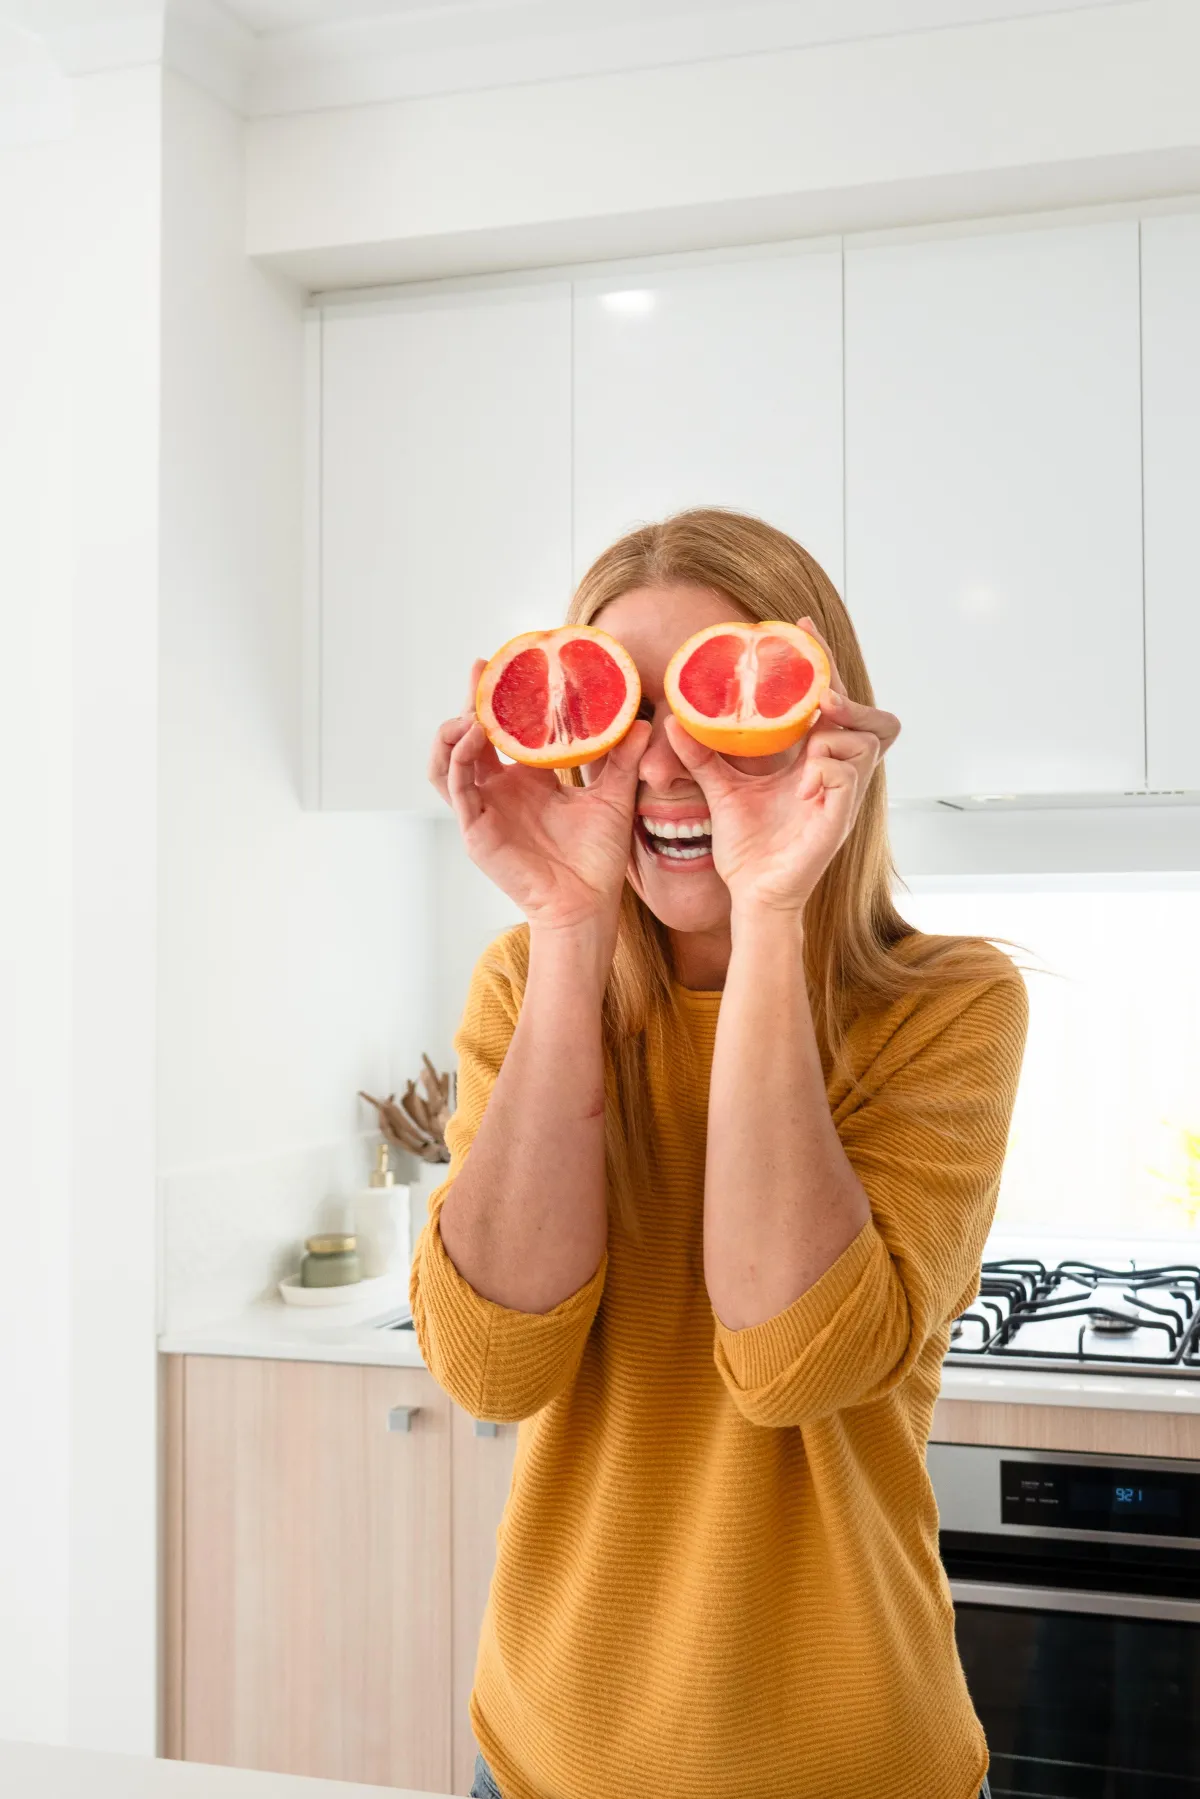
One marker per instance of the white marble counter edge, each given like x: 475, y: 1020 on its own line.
x: 1046, y: 1386
x: 273, y: 1330
x: 39, y: 1771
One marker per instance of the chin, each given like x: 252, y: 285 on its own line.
x: 682, y: 902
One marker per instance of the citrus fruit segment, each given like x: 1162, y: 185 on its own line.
x: 747, y: 690
x: 555, y: 699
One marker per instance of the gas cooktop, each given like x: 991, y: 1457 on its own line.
x: 1140, y: 1320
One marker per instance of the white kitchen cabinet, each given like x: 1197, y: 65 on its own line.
x: 445, y: 520
x: 1171, y: 451
x: 716, y: 384
x: 993, y: 506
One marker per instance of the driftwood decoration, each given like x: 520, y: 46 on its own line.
x: 417, y: 1122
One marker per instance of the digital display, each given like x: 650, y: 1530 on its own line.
x: 1125, y: 1496
x: 1073, y: 1496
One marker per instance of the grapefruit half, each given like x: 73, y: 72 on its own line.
x: 747, y: 690
x: 556, y: 699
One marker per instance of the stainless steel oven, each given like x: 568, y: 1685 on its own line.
x: 1076, y: 1583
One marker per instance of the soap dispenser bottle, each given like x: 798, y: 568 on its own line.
x: 382, y: 1238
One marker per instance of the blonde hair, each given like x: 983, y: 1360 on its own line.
x: 850, y: 922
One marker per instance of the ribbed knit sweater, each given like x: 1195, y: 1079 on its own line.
x: 717, y: 1568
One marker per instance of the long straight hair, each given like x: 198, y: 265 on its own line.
x: 850, y: 923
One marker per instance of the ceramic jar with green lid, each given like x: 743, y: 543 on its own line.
x: 332, y: 1261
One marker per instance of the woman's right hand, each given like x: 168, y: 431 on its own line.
x: 559, y: 852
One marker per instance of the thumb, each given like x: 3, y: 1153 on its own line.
x: 710, y: 773
x: 621, y: 763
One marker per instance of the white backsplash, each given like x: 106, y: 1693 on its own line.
x: 231, y: 1231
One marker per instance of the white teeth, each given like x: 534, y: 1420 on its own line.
x: 675, y: 853
x: 661, y: 827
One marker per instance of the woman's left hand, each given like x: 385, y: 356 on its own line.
x: 778, y: 821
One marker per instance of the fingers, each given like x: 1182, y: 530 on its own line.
x: 842, y: 746
x: 461, y: 783
x: 838, y: 781
x: 854, y: 718
x: 711, y: 773
x: 693, y: 755
x: 837, y: 768
x: 449, y: 735
x: 451, y: 732
x: 621, y: 763
x: 847, y: 712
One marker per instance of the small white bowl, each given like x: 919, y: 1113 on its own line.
x: 293, y: 1294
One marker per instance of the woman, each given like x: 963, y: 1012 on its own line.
x: 727, y: 1148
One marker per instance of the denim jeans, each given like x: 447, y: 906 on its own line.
x: 484, y: 1787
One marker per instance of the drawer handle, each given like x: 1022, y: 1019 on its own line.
x: 401, y: 1416
x: 485, y: 1428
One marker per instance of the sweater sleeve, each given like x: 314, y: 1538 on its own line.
x: 931, y: 1165
x: 496, y: 1363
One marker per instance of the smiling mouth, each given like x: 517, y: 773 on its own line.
x: 677, y: 844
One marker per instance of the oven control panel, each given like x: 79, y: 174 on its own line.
x: 1068, y: 1496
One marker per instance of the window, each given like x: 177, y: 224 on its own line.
x: 1105, y: 1139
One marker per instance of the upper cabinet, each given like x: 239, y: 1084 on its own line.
x: 719, y: 384
x: 980, y: 434
x: 1171, y: 426
x: 993, y: 507
x: 445, y: 520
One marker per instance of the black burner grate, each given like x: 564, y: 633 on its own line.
x: 1146, y: 1318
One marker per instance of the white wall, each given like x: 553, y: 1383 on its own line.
x: 78, y: 433
x: 470, y: 911
x: 1064, y: 108
x: 35, y: 993
x: 161, y: 880
x: 114, y: 384
x: 293, y: 946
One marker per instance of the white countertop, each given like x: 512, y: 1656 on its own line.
x: 352, y: 1334
x: 1046, y: 1386
x: 344, y: 1333
x: 29, y: 1771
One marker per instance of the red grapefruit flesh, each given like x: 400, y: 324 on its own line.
x: 556, y: 699
x: 747, y: 690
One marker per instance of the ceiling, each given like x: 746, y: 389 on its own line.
x: 461, y: 20
x: 488, y: 18
x: 286, y: 56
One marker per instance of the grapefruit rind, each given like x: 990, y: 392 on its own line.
x: 747, y: 732
x: 557, y: 752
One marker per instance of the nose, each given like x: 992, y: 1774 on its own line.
x: 660, y: 770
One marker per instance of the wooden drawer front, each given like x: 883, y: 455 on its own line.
x: 483, y: 1468
x: 313, y: 1604
x: 1083, y: 1428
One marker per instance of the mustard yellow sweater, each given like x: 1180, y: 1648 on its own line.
x: 717, y: 1569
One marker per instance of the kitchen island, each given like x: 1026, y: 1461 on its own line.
x: 34, y: 1771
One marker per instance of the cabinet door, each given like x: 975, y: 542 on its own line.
x: 315, y: 1594
x: 718, y: 385
x: 483, y: 1467
x: 1171, y: 423
x: 445, y: 479
x: 993, y: 507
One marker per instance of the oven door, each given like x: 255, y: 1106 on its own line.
x: 1082, y: 1695
x: 1076, y: 1585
